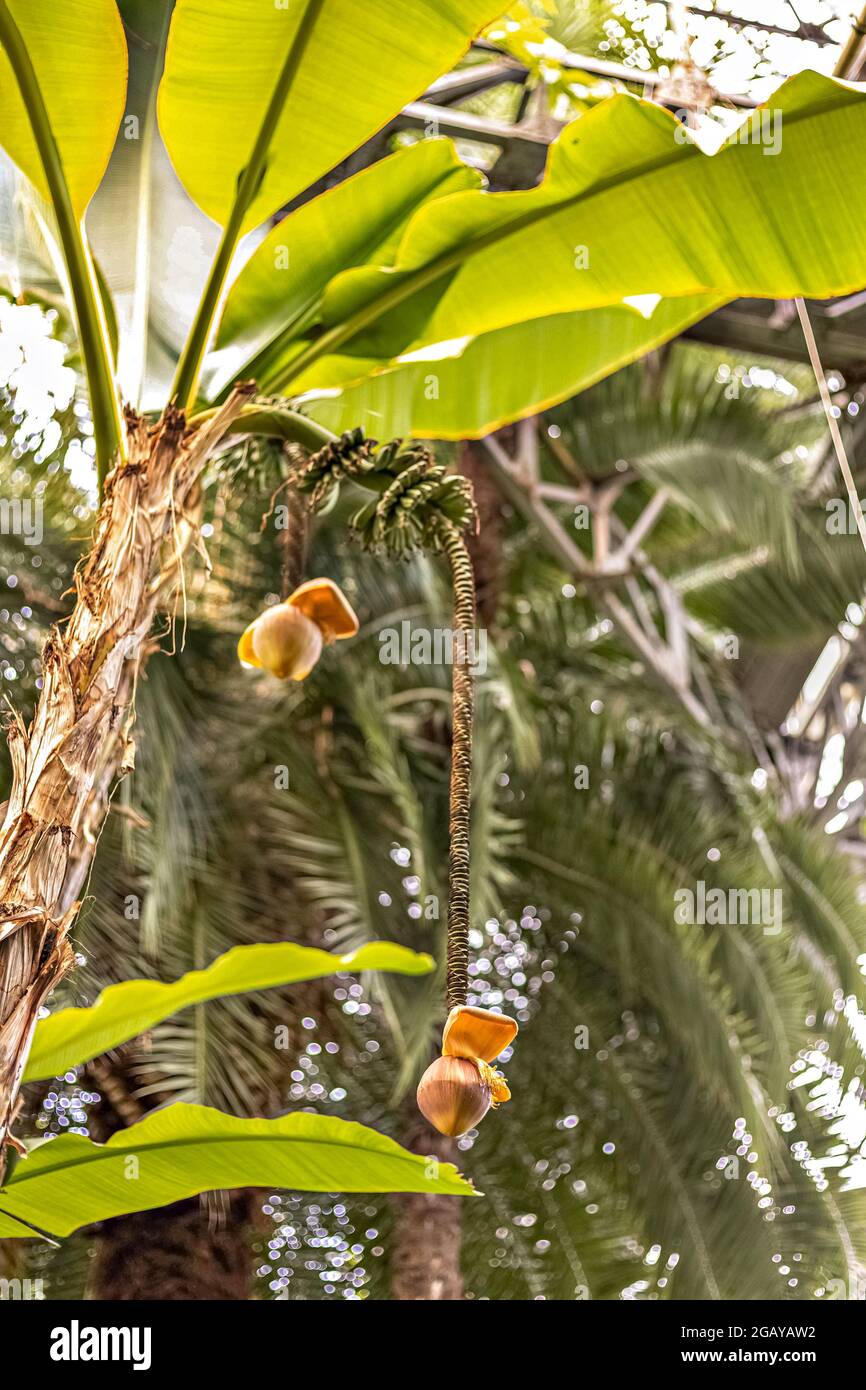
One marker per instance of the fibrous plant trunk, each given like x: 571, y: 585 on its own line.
x: 428, y: 1231
x: 64, y: 765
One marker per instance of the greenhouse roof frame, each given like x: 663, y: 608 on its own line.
x: 764, y: 328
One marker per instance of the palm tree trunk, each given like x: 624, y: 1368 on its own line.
x: 428, y: 1231
x: 197, y: 1249
x: 79, y: 740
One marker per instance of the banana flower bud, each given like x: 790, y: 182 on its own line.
x: 458, y: 1089
x: 287, y: 640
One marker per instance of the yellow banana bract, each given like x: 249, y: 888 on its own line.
x: 287, y: 639
x: 326, y: 605
x: 471, y: 1032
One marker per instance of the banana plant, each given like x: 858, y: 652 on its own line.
x: 409, y: 262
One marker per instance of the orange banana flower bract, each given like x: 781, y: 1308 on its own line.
x: 287, y: 640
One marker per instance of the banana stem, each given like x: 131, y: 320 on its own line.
x: 294, y: 541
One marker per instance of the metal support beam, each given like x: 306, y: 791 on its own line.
x: 668, y: 658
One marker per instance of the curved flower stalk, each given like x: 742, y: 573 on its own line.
x: 295, y: 538
x: 420, y: 506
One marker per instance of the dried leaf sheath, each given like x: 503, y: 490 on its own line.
x: 64, y: 764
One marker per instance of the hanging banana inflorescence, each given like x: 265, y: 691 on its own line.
x: 419, y: 506
x: 287, y: 639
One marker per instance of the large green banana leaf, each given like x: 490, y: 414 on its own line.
x: 626, y: 209
x: 501, y: 376
x: 123, y: 1011
x: 78, y: 52
x: 174, y: 1153
x: 358, y: 66
x: 358, y: 221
